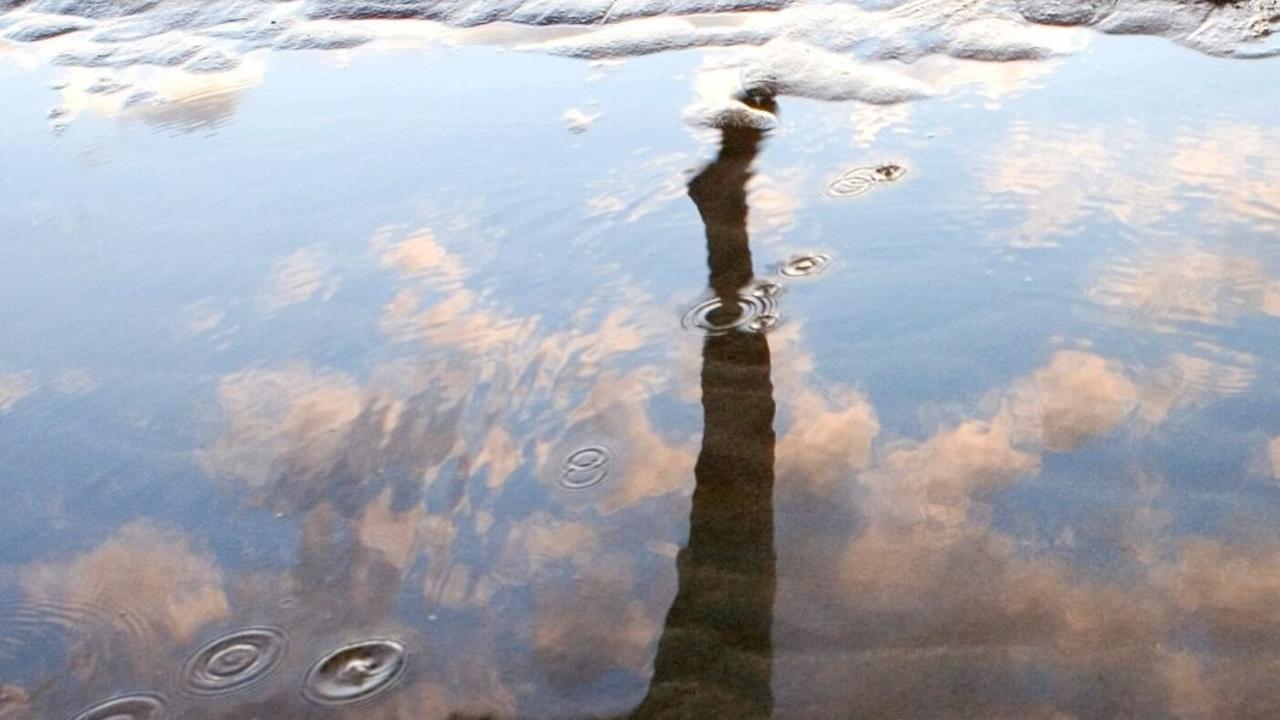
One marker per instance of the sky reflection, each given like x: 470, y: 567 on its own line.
x: 1012, y: 454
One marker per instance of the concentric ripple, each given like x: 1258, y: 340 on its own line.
x: 756, y: 311
x: 805, y: 265
x: 143, y: 706
x: 234, y: 661
x: 586, y: 467
x: 862, y: 179
x: 92, y: 633
x: 355, y: 672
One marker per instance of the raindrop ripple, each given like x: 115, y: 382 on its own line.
x: 586, y: 467
x: 234, y: 661
x: 805, y: 265
x: 861, y: 179
x: 756, y: 311
x: 355, y: 672
x: 143, y: 706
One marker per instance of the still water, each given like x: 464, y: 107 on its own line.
x: 433, y: 377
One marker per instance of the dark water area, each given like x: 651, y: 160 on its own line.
x: 431, y: 376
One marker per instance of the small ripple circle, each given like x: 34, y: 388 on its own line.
x: 805, y: 265
x: 142, y: 706
x: 355, y: 672
x: 755, y: 310
x: 861, y: 179
x: 234, y: 661
x: 586, y: 467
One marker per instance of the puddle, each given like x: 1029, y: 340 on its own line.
x: 508, y: 359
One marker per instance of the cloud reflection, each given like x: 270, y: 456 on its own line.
x: 162, y: 97
x: 14, y: 387
x: 431, y: 486
x: 1166, y: 290
x: 1137, y: 177
x: 297, y: 278
x: 126, y: 609
x: 938, y: 609
x: 1077, y: 396
x: 151, y: 575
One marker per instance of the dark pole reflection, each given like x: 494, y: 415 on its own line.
x: 715, y: 655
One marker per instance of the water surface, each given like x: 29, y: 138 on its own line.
x: 434, y: 378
